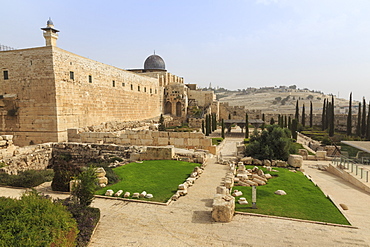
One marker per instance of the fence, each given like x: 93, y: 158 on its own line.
x: 353, y: 166
x: 6, y: 48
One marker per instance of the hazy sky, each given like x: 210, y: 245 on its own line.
x: 319, y: 44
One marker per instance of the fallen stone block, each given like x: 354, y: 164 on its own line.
x: 143, y: 194
x: 258, y: 181
x: 136, y: 195
x: 223, y: 208
x: 118, y: 193
x: 280, y: 192
x: 109, y: 193
x: 242, y: 201
x: 149, y: 196
x: 127, y: 194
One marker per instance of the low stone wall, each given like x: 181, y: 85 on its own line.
x: 35, y: 157
x: 189, y: 140
x: 39, y: 157
x: 347, y: 176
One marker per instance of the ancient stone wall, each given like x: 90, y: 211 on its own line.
x: 237, y: 112
x: 47, y: 90
x: 30, y: 114
x: 99, y: 91
x: 189, y: 140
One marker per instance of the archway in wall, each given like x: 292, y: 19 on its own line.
x: 178, y: 109
x: 168, y: 108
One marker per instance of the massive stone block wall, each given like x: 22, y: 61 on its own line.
x: 188, y: 140
x: 28, y: 106
x: 50, y: 90
x: 100, y: 92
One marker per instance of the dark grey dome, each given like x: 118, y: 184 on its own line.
x: 49, y: 22
x: 154, y: 62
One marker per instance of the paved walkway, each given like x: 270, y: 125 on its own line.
x: 188, y: 222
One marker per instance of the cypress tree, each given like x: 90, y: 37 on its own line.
x: 349, y: 117
x: 303, y: 116
x: 263, y: 119
x: 161, y: 126
x: 285, y: 121
x: 207, y: 125
x: 311, y: 115
x: 297, y: 111
x: 290, y: 123
x: 272, y: 121
x: 331, y: 122
x: 327, y: 114
x: 358, y: 127
x: 294, y: 128
x: 222, y: 129
x: 246, y: 126
x: 368, y: 124
x: 203, y: 130
x: 279, y: 120
x: 363, y: 124
x: 229, y: 116
x: 210, y: 123
x: 323, y: 115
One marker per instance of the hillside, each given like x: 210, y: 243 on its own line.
x: 282, y: 101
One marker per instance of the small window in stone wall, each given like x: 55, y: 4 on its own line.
x: 151, y: 91
x: 6, y: 75
x: 123, y: 84
x: 156, y: 91
x: 71, y: 75
x: 144, y: 89
x: 132, y: 87
x: 90, y: 79
x: 113, y: 83
x: 138, y: 88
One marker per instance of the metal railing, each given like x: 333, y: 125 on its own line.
x: 6, y: 48
x: 354, y: 166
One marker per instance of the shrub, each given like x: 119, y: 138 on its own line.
x: 64, y: 171
x: 35, y: 221
x: 87, y: 218
x: 27, y: 179
x: 84, y: 190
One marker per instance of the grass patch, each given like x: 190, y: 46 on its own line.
x: 157, y: 177
x: 217, y: 140
x: 304, y: 200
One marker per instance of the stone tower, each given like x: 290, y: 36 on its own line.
x: 50, y: 33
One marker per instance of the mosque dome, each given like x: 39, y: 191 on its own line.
x: 49, y: 22
x: 154, y: 62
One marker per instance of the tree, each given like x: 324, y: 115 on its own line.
x: 246, y: 126
x: 368, y: 124
x: 208, y: 131
x: 358, y: 127
x: 363, y: 123
x: 303, y: 116
x: 273, y: 143
x: 229, y: 116
x: 222, y: 129
x: 279, y: 120
x: 263, y: 119
x: 349, y: 116
x: 323, y: 118
x: 84, y: 189
x: 331, y: 117
x: 311, y: 115
x: 297, y: 111
x: 289, y: 123
x: 294, y: 128
x: 161, y: 126
x: 203, y: 127
x: 272, y: 121
x: 285, y: 121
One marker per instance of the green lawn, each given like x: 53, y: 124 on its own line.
x: 303, y: 200
x: 157, y: 177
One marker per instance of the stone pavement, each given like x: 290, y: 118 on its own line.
x: 188, y: 222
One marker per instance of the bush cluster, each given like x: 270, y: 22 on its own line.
x: 35, y: 220
x: 27, y: 179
